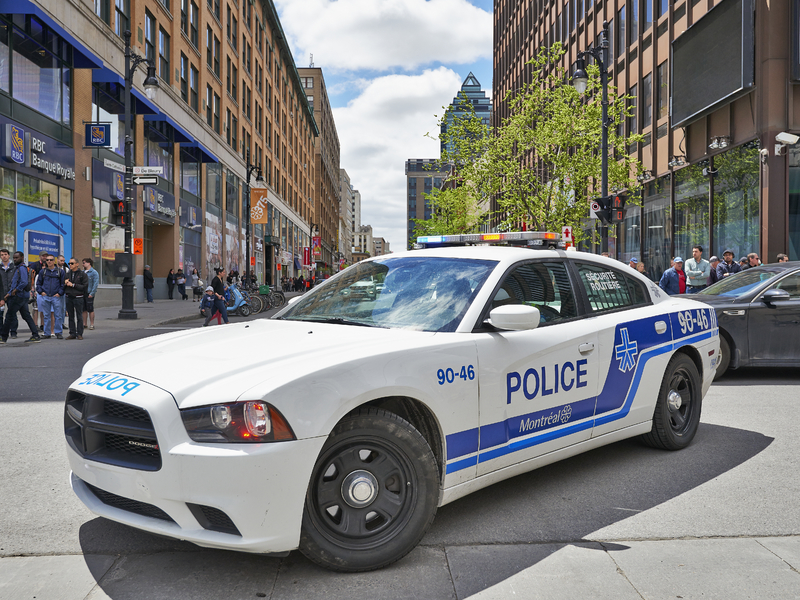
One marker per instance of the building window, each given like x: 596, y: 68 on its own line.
x: 308, y: 82
x: 163, y: 56
x: 184, y: 78
x: 122, y: 9
x: 209, y: 106
x: 190, y: 174
x: 228, y: 74
x: 185, y: 17
x: 194, y: 84
x: 234, y: 79
x: 621, y: 39
x: 648, y: 14
x: 103, y: 10
x: 736, y: 201
x: 246, y: 99
x: 634, y: 29
x: 209, y: 48
x: 216, y: 112
x: 216, y: 56
x: 214, y: 8
x: 247, y: 51
x: 159, y: 146
x: 107, y: 240
x: 691, y: 210
x: 662, y: 90
x: 662, y: 6
x: 150, y: 36
x: 633, y: 123
x: 247, y: 11
x: 234, y: 128
x: 647, y: 101
x: 214, y: 184
x: 232, y: 193
x: 611, y: 41
x: 228, y: 126
x: 108, y: 105
x: 194, y: 23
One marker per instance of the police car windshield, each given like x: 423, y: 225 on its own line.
x: 424, y: 293
x: 739, y: 284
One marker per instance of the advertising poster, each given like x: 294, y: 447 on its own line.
x: 231, y: 247
x: 213, y: 243
x: 43, y: 230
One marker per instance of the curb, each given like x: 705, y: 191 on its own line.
x: 177, y: 320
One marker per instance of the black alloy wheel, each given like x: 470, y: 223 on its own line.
x: 373, y: 493
x: 677, y: 413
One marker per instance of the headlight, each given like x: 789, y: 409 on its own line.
x: 253, y: 421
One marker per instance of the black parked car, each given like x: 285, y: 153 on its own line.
x: 758, y: 311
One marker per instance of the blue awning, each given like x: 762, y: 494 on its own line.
x: 181, y: 135
x: 83, y: 58
x: 142, y: 106
x: 205, y: 154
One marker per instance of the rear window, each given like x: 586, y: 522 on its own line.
x: 609, y: 289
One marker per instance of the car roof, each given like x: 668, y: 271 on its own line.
x: 500, y: 254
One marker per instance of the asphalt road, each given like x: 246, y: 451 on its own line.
x: 739, y: 479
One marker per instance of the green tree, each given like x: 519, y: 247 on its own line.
x: 544, y: 162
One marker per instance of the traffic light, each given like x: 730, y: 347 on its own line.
x: 118, y: 215
x: 617, y: 207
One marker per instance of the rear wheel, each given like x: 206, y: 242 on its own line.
x: 266, y: 304
x: 677, y: 413
x: 373, y: 493
x: 255, y: 303
x: 724, y: 357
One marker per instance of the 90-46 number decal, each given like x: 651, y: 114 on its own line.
x: 449, y: 375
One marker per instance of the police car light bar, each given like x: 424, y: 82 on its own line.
x: 529, y: 238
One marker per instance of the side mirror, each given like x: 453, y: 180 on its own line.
x: 773, y: 295
x: 515, y: 317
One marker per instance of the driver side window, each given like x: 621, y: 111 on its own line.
x: 545, y: 285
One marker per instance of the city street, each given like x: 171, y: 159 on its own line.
x: 717, y: 520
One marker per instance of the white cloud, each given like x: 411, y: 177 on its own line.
x: 382, y: 128
x: 381, y: 35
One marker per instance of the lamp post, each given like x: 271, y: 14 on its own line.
x: 132, y: 62
x: 259, y: 179
x: 579, y: 81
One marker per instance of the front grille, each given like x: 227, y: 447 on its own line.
x: 111, y: 432
x: 134, y: 506
x: 213, y: 519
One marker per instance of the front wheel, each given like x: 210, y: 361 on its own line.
x: 724, y: 357
x: 677, y: 413
x: 373, y: 493
x: 244, y: 310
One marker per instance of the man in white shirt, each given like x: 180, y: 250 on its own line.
x: 697, y: 271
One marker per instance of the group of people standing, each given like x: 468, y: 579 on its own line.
x: 697, y: 273
x: 179, y: 279
x: 52, y: 286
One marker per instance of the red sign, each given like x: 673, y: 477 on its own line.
x: 138, y: 245
x: 279, y: 266
x: 306, y: 257
x: 252, y: 261
x: 316, y: 248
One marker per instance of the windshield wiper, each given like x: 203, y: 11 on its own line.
x: 339, y: 321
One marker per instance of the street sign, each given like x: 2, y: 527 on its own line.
x: 115, y: 166
x: 148, y: 170
x: 594, y: 208
x: 145, y: 180
x: 138, y: 245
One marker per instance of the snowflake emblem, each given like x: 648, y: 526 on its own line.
x: 626, y: 352
x: 566, y: 413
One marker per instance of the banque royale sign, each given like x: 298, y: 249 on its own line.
x: 37, y: 155
x: 159, y: 204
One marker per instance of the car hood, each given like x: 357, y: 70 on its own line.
x: 202, y: 366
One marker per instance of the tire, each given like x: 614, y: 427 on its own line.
x: 724, y: 357
x: 278, y: 300
x: 384, y: 457
x: 265, y: 303
x: 677, y: 413
x: 244, y: 310
x: 255, y: 303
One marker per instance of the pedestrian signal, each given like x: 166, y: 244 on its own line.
x: 118, y: 214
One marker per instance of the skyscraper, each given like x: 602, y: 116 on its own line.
x: 472, y: 92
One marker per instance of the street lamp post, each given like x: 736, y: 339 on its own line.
x: 259, y: 179
x: 580, y: 80
x: 132, y: 62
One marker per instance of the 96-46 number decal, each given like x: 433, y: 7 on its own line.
x: 697, y: 320
x: 466, y: 373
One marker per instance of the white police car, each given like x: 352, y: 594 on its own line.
x: 339, y: 426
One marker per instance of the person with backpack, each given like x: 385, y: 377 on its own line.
x: 16, y: 299
x: 77, y: 284
x: 6, y: 274
x: 50, y: 288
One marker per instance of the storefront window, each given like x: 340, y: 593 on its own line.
x: 4, y: 54
x: 691, y: 210
x: 214, y: 184
x: 29, y: 190
x: 8, y: 183
x: 159, y: 147
x: 40, y: 78
x: 108, y: 107
x: 629, y: 234
x: 736, y: 200
x: 190, y: 173
x: 190, y: 252
x: 8, y: 225
x: 657, y: 227
x: 107, y: 240
x: 232, y: 193
x: 65, y: 200
x: 794, y: 204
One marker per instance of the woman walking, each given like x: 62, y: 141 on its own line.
x: 196, y: 292
x: 180, y: 279
x: 170, y: 283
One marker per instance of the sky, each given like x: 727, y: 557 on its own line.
x: 390, y: 66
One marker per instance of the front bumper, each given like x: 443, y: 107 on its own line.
x: 246, y: 497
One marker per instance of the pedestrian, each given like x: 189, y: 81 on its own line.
x: 633, y: 263
x: 180, y: 279
x: 751, y: 261
x: 728, y: 266
x: 94, y: 281
x: 605, y: 254
x: 673, y: 281
x: 218, y: 287
x: 148, y: 283
x: 783, y: 258
x: 697, y: 271
x: 61, y: 263
x: 640, y: 268
x: 170, y: 283
x: 207, y: 308
x: 197, y: 293
x: 6, y: 274
x: 33, y: 272
x: 743, y: 263
x: 16, y: 299
x: 77, y: 284
x: 50, y: 289
x: 712, y: 276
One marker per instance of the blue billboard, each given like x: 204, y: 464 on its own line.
x: 42, y: 230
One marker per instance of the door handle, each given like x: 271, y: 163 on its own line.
x: 586, y: 348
